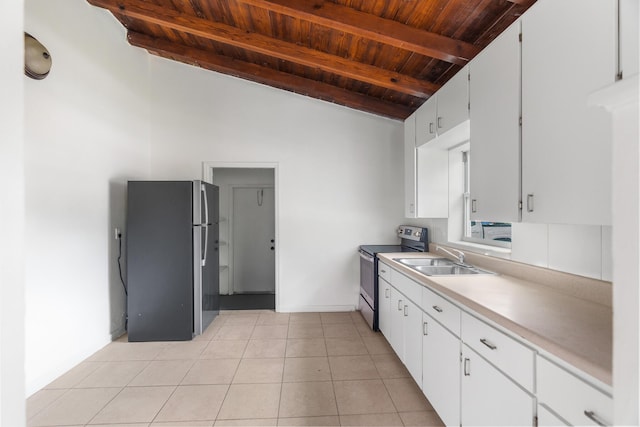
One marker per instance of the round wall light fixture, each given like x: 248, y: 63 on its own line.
x: 37, y: 60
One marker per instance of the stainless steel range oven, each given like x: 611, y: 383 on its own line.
x: 412, y: 239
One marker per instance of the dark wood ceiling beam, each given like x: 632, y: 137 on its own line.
x: 268, y: 76
x: 152, y: 14
x: 372, y: 27
x: 523, y: 2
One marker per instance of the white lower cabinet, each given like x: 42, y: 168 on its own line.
x: 477, y: 374
x: 571, y: 397
x: 405, y: 332
x: 413, y: 340
x: 490, y: 398
x: 384, y: 307
x: 396, y: 317
x: 441, y: 370
x: 546, y: 418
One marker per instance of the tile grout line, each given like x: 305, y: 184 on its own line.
x: 104, y: 406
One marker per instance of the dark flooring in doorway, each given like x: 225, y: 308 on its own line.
x: 248, y: 302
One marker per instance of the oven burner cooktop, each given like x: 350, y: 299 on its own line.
x: 376, y: 249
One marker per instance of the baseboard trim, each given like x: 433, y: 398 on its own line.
x: 315, y: 308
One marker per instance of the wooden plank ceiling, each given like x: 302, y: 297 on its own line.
x: 385, y: 57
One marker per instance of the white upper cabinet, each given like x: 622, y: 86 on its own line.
x: 445, y: 111
x: 442, y: 122
x: 426, y: 118
x: 410, y: 166
x: 453, y: 102
x: 494, y: 97
x: 568, y: 52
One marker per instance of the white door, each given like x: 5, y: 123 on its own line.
x: 253, y: 242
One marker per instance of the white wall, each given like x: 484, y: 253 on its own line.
x: 12, y: 405
x: 86, y: 133
x: 339, y: 171
x: 621, y: 100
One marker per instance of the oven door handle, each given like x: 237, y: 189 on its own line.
x: 366, y: 256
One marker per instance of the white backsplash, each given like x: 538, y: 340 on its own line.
x: 584, y: 250
x: 576, y: 249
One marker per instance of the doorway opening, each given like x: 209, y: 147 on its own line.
x: 247, y: 236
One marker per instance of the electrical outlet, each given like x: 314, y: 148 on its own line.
x: 117, y: 233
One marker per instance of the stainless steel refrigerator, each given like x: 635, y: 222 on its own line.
x: 172, y: 259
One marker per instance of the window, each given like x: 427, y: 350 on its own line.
x: 483, y: 232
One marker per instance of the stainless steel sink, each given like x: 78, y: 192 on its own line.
x: 440, y: 266
x: 449, y: 270
x: 416, y: 262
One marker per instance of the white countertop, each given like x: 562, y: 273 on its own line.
x: 573, y: 329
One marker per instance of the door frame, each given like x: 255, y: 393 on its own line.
x: 207, y: 176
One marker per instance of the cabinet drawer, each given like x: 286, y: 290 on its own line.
x: 384, y: 271
x: 441, y: 310
x: 507, y: 354
x: 572, y: 398
x: 406, y: 286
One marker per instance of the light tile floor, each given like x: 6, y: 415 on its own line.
x: 248, y: 368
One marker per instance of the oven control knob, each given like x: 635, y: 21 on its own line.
x: 417, y: 234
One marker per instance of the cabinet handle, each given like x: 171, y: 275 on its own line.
x: 467, y: 367
x: 593, y: 417
x: 405, y: 311
x: 399, y: 304
x: 438, y: 309
x: 424, y: 329
x: 431, y: 127
x: 439, y: 122
x: 383, y: 271
x: 529, y: 202
x: 386, y: 293
x: 488, y: 343
x: 474, y: 206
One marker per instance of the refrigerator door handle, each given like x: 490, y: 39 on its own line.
x: 206, y: 245
x: 206, y: 204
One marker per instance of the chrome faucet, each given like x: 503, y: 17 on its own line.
x: 458, y: 254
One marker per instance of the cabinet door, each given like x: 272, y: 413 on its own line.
x: 488, y: 397
x: 426, y: 121
x: 441, y: 370
x: 494, y: 96
x: 384, y: 304
x: 547, y: 418
x: 566, y: 145
x: 629, y: 40
x: 410, y: 166
x: 396, y: 315
x: 413, y: 340
x: 453, y: 102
